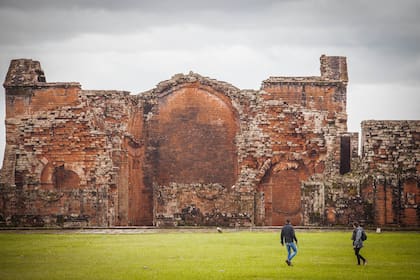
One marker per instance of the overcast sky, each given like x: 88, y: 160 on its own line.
x: 133, y: 45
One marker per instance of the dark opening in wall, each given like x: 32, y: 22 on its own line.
x: 19, y: 179
x: 345, y: 155
x: 41, y: 76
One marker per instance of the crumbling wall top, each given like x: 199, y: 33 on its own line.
x: 333, y: 70
x: 180, y: 79
x: 391, y: 146
x: 28, y: 73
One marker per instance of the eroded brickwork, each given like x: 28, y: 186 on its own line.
x: 197, y: 151
x: 391, y: 153
x: 383, y: 186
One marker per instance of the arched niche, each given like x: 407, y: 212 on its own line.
x: 59, y: 178
x: 65, y: 179
x: 281, y: 186
x: 194, y: 135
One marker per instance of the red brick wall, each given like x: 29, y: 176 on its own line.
x: 384, y: 210
x: 140, y: 196
x: 411, y: 200
x: 196, y: 132
x: 321, y: 96
x: 197, y: 148
x: 286, y: 197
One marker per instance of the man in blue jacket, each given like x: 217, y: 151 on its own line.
x: 288, y: 236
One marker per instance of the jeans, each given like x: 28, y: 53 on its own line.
x: 358, y: 256
x: 291, y: 247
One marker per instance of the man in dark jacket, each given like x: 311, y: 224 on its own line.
x: 357, y: 238
x: 288, y: 236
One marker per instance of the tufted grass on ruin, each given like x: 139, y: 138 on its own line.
x: 230, y: 255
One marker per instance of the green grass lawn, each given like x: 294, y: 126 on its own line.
x: 230, y: 255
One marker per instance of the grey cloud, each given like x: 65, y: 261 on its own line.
x: 372, y: 23
x: 187, y: 5
x: 382, y: 37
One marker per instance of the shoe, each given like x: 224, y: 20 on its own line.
x: 365, y: 262
x: 288, y: 262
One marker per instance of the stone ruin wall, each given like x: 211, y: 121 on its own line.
x: 383, y: 186
x: 269, y: 135
x: 191, y: 151
x: 391, y: 154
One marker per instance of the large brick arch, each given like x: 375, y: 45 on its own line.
x: 195, y: 128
